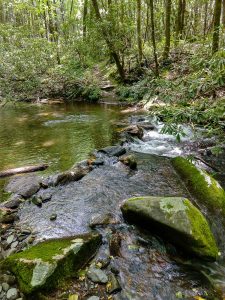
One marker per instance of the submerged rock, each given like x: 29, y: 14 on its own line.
x: 45, y: 264
x: 175, y: 218
x: 26, y: 185
x: 204, y: 187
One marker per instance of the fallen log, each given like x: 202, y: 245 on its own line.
x: 27, y: 169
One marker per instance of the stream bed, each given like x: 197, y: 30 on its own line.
x: 149, y: 268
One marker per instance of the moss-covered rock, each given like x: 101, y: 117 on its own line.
x: 44, y: 265
x: 206, y: 189
x: 175, y: 218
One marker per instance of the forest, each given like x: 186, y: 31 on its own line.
x: 112, y: 149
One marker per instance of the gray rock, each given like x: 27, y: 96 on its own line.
x: 12, y: 294
x: 102, y: 219
x: 5, y: 286
x: 114, y: 285
x: 113, y: 151
x: 14, y: 244
x: 26, y: 185
x: 13, y: 202
x: 0, y: 288
x: 10, y: 239
x: 93, y: 298
x: 96, y: 275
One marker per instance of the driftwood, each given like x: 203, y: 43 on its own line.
x: 27, y: 169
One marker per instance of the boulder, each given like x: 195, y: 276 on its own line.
x: 176, y: 219
x: 26, y: 185
x: 204, y: 187
x: 46, y: 264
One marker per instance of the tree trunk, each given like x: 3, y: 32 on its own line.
x: 216, y: 26
x: 85, y: 18
x: 223, y: 16
x: 108, y: 41
x: 21, y: 170
x: 205, y: 18
x: 153, y: 37
x: 139, y: 38
x: 180, y: 19
x: 167, y: 30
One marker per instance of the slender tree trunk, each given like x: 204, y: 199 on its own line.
x: 139, y: 38
x: 85, y: 18
x: 206, y: 18
x: 153, y: 37
x: 180, y: 19
x: 108, y: 41
x: 223, y: 15
x: 167, y: 30
x: 216, y: 26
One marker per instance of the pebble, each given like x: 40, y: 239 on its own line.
x: 12, y: 294
x: 5, y: 286
x: 53, y: 217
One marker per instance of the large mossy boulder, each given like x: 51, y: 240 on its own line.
x: 46, y: 264
x: 204, y: 187
x: 177, y: 220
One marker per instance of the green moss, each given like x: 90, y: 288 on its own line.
x: 45, y: 250
x: 205, y: 188
x: 201, y: 232
x: 46, y: 264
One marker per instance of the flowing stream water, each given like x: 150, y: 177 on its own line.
x: 66, y: 134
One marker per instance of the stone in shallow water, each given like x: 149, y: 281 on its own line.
x: 26, y: 185
x: 47, y: 263
x: 175, y: 218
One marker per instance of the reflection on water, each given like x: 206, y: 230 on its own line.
x: 57, y: 135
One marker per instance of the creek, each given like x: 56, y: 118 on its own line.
x: 61, y: 136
